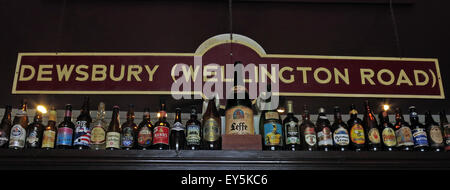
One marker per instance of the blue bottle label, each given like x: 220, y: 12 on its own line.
x: 82, y: 134
x: 64, y: 136
x: 420, y: 137
x: 272, y: 134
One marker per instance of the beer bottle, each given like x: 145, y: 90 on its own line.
x: 291, y: 128
x: 129, y: 130
x: 324, y: 136
x: 418, y: 131
x: 177, y: 133
x: 212, y: 127
x: 49, y: 135
x: 34, y: 131
x: 340, y: 131
x: 446, y: 127
x: 308, y: 131
x: 357, y: 135
x: 403, y: 132
x: 99, y: 128
x: 18, y: 130
x: 5, y: 127
x: 435, y: 132
x: 371, y: 128
x: 65, y: 130
x: 270, y: 126
x: 113, y: 134
x: 144, y: 137
x: 82, y: 136
x: 193, y: 131
x: 161, y: 130
x: 238, y: 111
x: 387, y: 130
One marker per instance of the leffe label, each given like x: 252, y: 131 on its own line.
x: 239, y: 121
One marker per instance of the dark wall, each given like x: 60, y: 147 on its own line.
x: 346, y: 29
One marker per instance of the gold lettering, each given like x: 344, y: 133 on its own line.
x: 424, y: 74
x: 98, y: 70
x: 191, y: 73
x: 82, y: 73
x: 151, y: 72
x: 64, y: 72
x: 344, y: 77
x: 304, y: 70
x: 209, y: 73
x: 319, y: 80
x: 121, y: 75
x: 42, y: 72
x: 22, y: 73
x: 291, y: 77
x: 135, y: 73
x: 403, y: 78
x: 367, y: 74
x: 380, y: 78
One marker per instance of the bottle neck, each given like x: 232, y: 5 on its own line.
x: 443, y: 118
x: 337, y: 117
x: 429, y: 119
x: 146, y: 116
x: 178, y: 116
x: 384, y: 117
x: 68, y: 115
x: 7, y: 115
x: 306, y: 116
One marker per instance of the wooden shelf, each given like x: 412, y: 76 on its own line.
x: 218, y: 160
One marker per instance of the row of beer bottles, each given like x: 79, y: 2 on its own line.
x: 81, y: 135
x: 355, y: 134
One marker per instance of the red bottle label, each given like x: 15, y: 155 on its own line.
x: 161, y: 135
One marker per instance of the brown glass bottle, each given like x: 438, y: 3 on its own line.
x: 18, y: 130
x: 446, y: 128
x: 113, y: 134
x: 193, y: 131
x: 324, y: 135
x: 65, y: 130
x: 49, y: 134
x: 308, y: 132
x: 129, y: 130
x: 341, y: 139
x: 161, y: 130
x: 145, y: 132
x: 403, y: 132
x: 357, y: 135
x: 238, y: 111
x: 211, y: 127
x: 34, y: 132
x: 177, y: 139
x: 388, y: 137
x: 435, y: 133
x: 291, y: 128
x: 5, y: 127
x: 82, y: 133
x: 371, y: 128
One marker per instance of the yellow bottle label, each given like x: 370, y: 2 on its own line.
x: 239, y: 121
x: 48, y: 139
x: 113, y: 140
x: 98, y: 135
x: 357, y: 134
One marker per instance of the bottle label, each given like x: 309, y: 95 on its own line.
x: 292, y: 133
x: 48, y: 140
x: 3, y: 138
x: 17, y: 138
x: 341, y: 136
x: 357, y: 134
x: 310, y: 136
x: 112, y: 140
x: 272, y: 115
x: 98, y: 135
x: 127, y: 137
x: 436, y: 135
x: 193, y: 135
x: 161, y: 135
x: 145, y: 137
x: 82, y: 134
x: 64, y: 136
x: 374, y: 136
x: 389, y: 139
x: 211, y: 130
x: 324, y: 137
x: 420, y: 137
x: 33, y: 138
x: 404, y: 136
x: 447, y: 134
x: 239, y: 121
x: 272, y: 134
